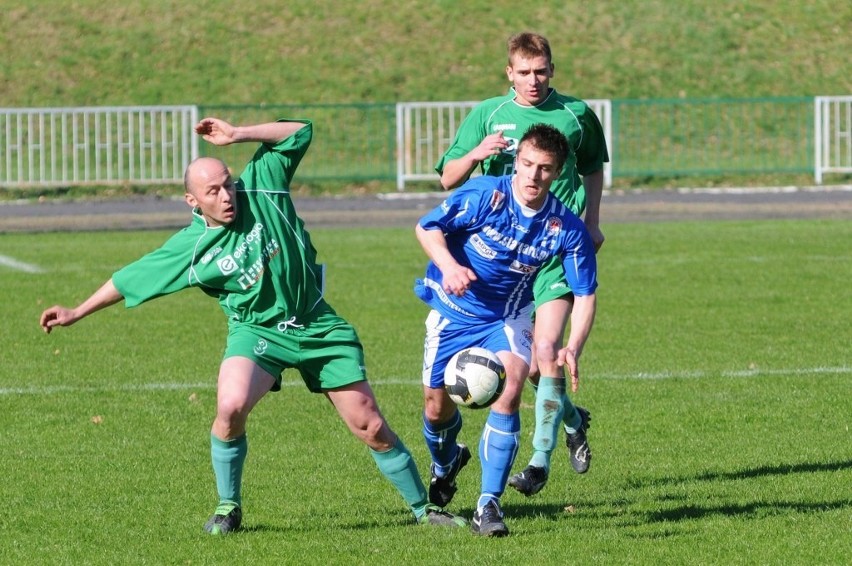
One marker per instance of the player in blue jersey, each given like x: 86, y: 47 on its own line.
x: 487, y: 139
x: 487, y: 242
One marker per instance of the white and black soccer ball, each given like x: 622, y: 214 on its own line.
x: 474, y: 378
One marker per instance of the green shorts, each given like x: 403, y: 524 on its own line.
x: 323, y: 347
x: 550, y: 282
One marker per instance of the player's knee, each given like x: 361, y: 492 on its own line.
x: 372, y: 430
x: 231, y: 411
x: 438, y: 410
x: 545, y: 352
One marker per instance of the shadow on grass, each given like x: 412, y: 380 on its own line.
x: 323, y: 524
x: 264, y: 528
x: 670, y: 503
x: 530, y: 509
x: 755, y: 509
x: 619, y: 508
x: 688, y: 511
x: 760, y: 471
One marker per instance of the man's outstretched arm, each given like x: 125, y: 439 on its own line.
x: 582, y: 319
x: 58, y: 315
x: 220, y: 132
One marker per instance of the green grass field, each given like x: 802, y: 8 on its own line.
x: 86, y: 52
x: 718, y: 374
x: 266, y: 53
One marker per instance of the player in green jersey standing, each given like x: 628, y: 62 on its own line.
x: 247, y: 247
x: 488, y: 139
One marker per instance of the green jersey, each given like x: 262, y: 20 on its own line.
x: 571, y: 116
x: 261, y: 267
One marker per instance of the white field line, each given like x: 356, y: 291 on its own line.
x: 731, y: 373
x: 6, y: 261
x: 59, y: 389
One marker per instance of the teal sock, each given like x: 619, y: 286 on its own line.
x: 228, y: 457
x: 399, y: 468
x: 571, y: 418
x: 548, y: 414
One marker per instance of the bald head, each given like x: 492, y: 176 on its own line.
x: 201, y: 171
x: 211, y: 190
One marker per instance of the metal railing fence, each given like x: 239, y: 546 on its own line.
x: 45, y: 147
x: 426, y: 129
x: 352, y: 142
x: 120, y: 144
x: 832, y: 135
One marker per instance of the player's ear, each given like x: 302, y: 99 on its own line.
x: 190, y: 200
x: 509, y: 72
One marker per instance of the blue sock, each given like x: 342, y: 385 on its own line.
x: 548, y: 416
x: 442, y: 442
x: 497, y: 450
x: 399, y: 468
x: 228, y: 457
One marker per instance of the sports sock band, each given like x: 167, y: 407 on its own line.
x: 548, y: 416
x: 498, y: 447
x: 228, y: 457
x: 399, y: 468
x: 441, y: 441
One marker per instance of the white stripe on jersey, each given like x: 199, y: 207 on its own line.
x: 513, y: 303
x: 442, y: 296
x: 320, y: 285
x: 579, y: 126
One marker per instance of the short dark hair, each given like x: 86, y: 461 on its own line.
x: 528, y: 44
x: 548, y: 139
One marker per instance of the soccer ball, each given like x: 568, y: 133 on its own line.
x: 474, y: 378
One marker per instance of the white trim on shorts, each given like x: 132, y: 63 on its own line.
x: 444, y: 338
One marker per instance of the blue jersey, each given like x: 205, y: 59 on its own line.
x: 504, y: 243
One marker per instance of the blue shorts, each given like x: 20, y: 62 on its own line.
x: 444, y: 338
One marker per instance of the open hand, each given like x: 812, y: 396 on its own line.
x: 215, y: 131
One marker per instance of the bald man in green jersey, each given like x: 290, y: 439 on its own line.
x: 488, y: 139
x: 246, y: 247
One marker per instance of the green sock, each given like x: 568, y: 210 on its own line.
x: 548, y: 414
x: 228, y: 457
x: 571, y: 418
x: 399, y: 468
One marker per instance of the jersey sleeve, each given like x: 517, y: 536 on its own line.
x: 579, y: 262
x: 592, y: 152
x: 460, y: 210
x: 471, y: 131
x: 164, y: 271
x: 273, y: 165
